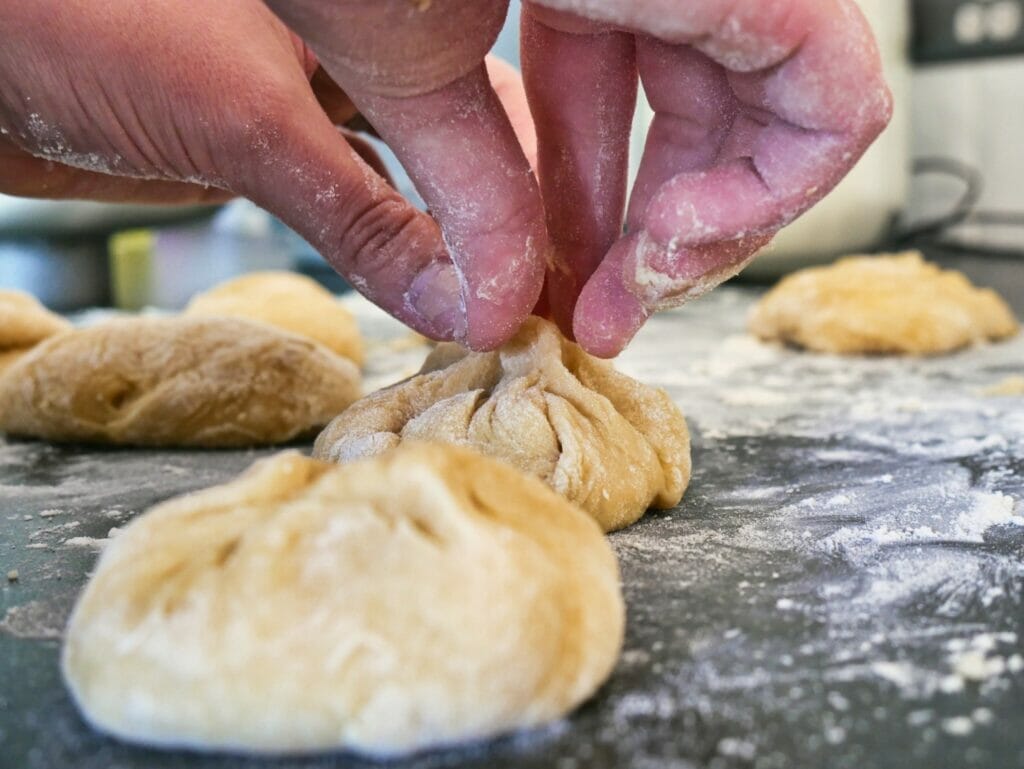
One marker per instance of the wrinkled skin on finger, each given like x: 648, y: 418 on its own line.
x: 160, y: 101
x: 760, y: 109
x: 426, y: 91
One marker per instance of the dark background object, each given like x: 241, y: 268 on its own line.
x: 64, y: 273
x: 952, y: 30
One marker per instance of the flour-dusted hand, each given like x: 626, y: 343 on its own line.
x: 416, y: 70
x: 761, y: 107
x: 162, y: 101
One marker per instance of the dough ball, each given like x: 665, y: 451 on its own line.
x: 895, y: 304
x: 604, y: 441
x: 423, y: 598
x: 289, y: 301
x: 210, y: 382
x: 24, y: 322
x: 8, y: 357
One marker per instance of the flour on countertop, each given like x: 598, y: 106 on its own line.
x: 893, y: 487
x: 845, y: 570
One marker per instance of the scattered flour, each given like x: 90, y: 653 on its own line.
x: 958, y: 726
x: 864, y: 555
x: 91, y: 543
x: 40, y: 620
x: 989, y: 509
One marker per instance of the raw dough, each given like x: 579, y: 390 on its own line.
x: 606, y: 442
x: 1009, y: 387
x: 24, y: 322
x: 289, y: 301
x: 175, y: 382
x: 896, y: 303
x: 427, y: 597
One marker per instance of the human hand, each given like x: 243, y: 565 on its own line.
x: 760, y: 109
x: 161, y: 101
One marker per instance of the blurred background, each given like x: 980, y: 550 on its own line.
x: 945, y: 178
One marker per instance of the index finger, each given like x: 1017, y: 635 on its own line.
x: 802, y: 97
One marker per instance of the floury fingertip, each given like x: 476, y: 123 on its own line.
x: 607, y: 315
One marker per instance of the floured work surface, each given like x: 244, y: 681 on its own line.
x: 842, y: 586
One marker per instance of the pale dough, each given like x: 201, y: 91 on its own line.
x: 289, y: 301
x: 893, y: 304
x: 1009, y: 387
x: 24, y: 322
x: 423, y: 598
x: 210, y: 382
x: 604, y: 441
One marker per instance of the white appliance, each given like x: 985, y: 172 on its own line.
x: 973, y: 112
x: 859, y: 213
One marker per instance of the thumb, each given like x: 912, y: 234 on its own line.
x: 461, y: 150
x: 295, y: 163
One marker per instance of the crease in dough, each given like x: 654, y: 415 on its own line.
x: 894, y: 304
x: 423, y: 598
x: 203, y: 382
x: 606, y: 442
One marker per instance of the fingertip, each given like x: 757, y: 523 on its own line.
x: 641, y: 276
x: 499, y: 305
x: 502, y: 273
x: 462, y: 154
x: 608, y: 315
x: 885, y: 111
x: 486, y: 337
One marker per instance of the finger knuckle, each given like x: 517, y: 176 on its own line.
x: 373, y: 232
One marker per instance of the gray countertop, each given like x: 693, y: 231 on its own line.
x: 842, y: 586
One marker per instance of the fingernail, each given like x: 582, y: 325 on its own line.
x: 436, y: 296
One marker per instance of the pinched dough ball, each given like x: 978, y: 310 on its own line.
x: 24, y: 322
x: 419, y: 599
x: 289, y: 301
x: 604, y: 441
x: 895, y: 304
x: 210, y: 382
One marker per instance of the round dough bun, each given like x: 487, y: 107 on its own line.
x: 604, y: 441
x: 24, y: 323
x: 210, y: 382
x: 289, y: 301
x: 891, y: 304
x: 424, y: 598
